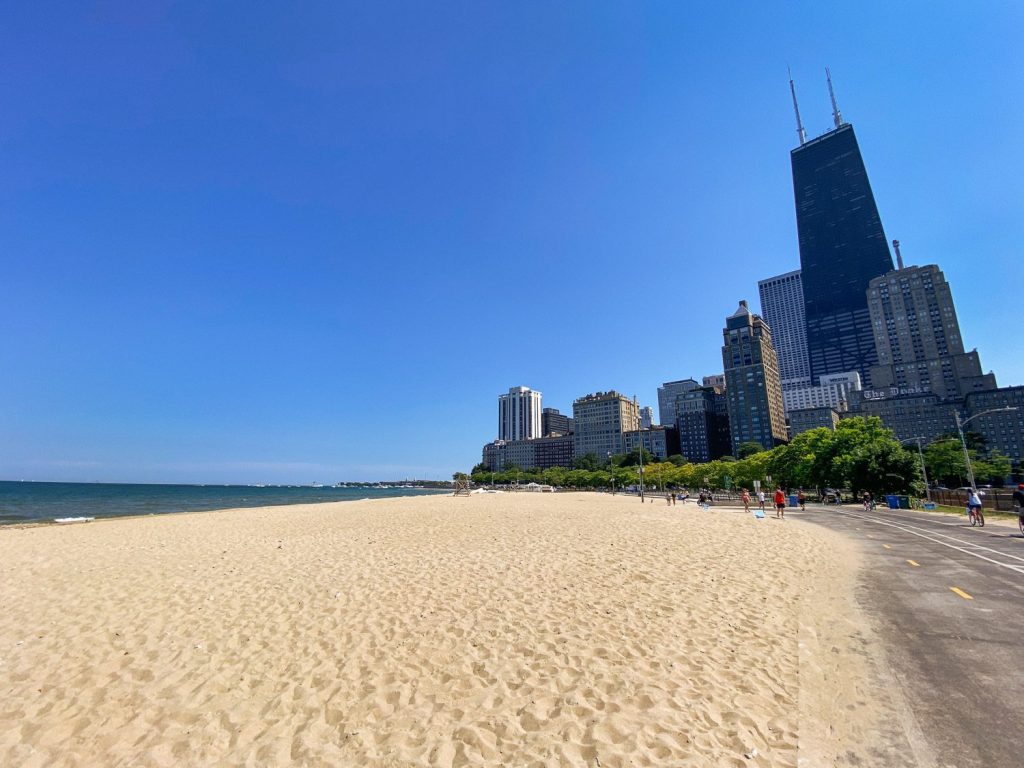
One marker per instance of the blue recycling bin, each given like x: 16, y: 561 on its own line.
x: 793, y: 501
x: 893, y: 501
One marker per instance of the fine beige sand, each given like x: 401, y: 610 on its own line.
x: 496, y: 630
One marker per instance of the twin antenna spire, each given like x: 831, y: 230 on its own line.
x: 796, y: 108
x: 837, y: 116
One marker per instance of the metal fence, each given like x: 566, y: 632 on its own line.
x: 998, y: 499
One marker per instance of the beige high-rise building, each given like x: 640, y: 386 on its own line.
x: 753, y: 390
x: 600, y: 421
x: 917, y: 337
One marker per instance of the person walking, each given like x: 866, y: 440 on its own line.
x: 746, y: 500
x: 760, y: 500
x: 780, y: 503
x: 801, y: 499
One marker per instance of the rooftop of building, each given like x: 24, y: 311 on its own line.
x: 611, y: 394
x: 823, y: 137
x: 776, y: 278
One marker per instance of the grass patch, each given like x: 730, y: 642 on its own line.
x: 961, y: 511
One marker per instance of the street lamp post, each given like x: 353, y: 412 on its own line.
x: 963, y: 443
x: 610, y: 472
x: 924, y: 469
x: 641, y: 470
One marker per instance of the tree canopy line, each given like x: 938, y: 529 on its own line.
x: 860, y: 455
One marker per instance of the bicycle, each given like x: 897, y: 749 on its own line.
x: 977, y: 517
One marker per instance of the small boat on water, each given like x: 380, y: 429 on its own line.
x: 70, y: 520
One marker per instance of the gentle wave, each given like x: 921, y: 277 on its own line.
x: 25, y: 502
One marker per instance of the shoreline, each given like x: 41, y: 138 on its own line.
x: 92, y: 506
x: 438, y: 630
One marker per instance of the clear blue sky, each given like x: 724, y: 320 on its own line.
x: 311, y: 242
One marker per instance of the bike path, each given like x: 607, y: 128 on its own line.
x: 948, y: 600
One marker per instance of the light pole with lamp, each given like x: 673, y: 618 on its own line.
x: 924, y: 469
x: 611, y: 473
x: 641, y: 470
x: 963, y: 443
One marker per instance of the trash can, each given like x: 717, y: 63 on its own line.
x: 793, y: 501
x: 893, y: 502
x: 904, y: 502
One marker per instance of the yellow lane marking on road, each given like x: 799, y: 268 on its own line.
x: 915, y: 564
x: 887, y: 546
x: 962, y: 594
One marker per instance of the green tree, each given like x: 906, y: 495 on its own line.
x: 587, y: 461
x: 867, y: 457
x: 678, y: 459
x: 945, y: 461
x: 748, y: 449
x: 756, y: 467
x: 479, y: 469
x: 806, y: 462
x: 884, y: 466
x: 994, y: 468
x: 632, y: 458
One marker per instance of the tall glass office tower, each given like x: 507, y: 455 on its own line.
x: 842, y: 247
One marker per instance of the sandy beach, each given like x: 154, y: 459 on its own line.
x: 495, y: 630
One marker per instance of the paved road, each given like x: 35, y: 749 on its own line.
x: 949, y: 600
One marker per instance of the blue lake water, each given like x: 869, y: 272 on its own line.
x: 24, y: 502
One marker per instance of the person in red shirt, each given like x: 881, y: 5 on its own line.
x: 780, y: 503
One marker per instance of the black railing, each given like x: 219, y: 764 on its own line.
x: 998, y: 499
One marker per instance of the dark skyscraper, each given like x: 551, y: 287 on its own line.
x: 752, y: 389
x: 842, y: 247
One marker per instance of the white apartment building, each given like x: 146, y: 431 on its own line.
x: 646, y: 417
x: 833, y: 392
x: 519, y: 414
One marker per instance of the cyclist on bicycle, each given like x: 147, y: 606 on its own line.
x: 973, y: 503
x: 1018, y: 505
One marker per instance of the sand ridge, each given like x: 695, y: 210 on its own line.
x: 514, y: 629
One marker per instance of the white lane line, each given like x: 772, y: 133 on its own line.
x: 924, y: 517
x: 943, y: 535
x: 1016, y: 568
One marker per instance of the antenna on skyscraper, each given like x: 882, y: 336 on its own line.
x: 799, y: 124
x: 837, y: 116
